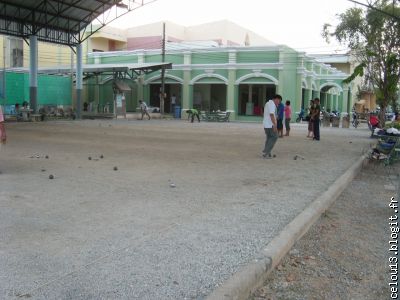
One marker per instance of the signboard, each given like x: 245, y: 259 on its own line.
x: 120, y: 104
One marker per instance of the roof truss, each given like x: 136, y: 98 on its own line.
x: 61, y: 21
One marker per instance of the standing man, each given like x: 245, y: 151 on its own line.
x: 280, y: 114
x: 288, y: 116
x: 270, y: 125
x: 143, y: 109
x: 315, y: 118
x: 173, y: 103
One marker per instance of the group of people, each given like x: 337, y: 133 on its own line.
x: 274, y: 114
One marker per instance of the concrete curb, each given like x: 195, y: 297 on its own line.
x: 254, y: 274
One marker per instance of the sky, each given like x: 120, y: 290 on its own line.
x: 295, y: 23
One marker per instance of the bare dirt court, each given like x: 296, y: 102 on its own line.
x: 188, y: 205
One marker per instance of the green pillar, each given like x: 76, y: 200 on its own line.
x: 329, y: 103
x: 339, y: 103
x: 295, y: 101
x: 146, y: 93
x: 187, y: 89
x: 140, y: 87
x: 345, y: 98
x: 230, y: 95
x: 307, y: 97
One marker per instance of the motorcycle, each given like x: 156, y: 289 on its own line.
x: 301, y: 116
x: 355, y: 120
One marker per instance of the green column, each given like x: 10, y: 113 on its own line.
x: 345, y: 100
x: 329, y: 104
x: 295, y: 100
x: 230, y: 95
x: 146, y: 93
x: 187, y: 89
x: 307, y: 97
x: 140, y: 88
x: 339, y: 103
x: 333, y: 103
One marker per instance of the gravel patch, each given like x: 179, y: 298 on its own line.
x: 98, y: 233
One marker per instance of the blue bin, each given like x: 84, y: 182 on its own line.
x: 177, y: 112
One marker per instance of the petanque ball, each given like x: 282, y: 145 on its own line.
x: 51, y: 176
x: 115, y: 168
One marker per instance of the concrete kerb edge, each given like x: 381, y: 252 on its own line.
x: 254, y: 274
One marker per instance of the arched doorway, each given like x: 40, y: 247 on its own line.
x: 173, y: 88
x: 209, y: 92
x: 254, y: 90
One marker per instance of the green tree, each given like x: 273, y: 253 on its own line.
x: 373, y: 36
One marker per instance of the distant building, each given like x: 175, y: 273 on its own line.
x: 216, y: 66
x: 149, y: 36
x: 239, y: 79
x: 362, y: 98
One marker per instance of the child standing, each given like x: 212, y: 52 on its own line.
x: 288, y: 116
x: 280, y: 114
x: 310, y: 122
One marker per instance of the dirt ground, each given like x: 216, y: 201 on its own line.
x: 345, y: 254
x: 158, y: 209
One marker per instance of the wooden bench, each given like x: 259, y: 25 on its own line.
x: 220, y: 116
x: 36, y: 117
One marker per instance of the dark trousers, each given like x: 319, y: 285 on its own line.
x: 197, y: 115
x: 316, y: 128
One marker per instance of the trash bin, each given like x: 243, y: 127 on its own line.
x: 335, y: 121
x: 345, y: 120
x: 177, y: 114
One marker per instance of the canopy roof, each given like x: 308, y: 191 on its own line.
x: 105, y: 69
x: 58, y: 21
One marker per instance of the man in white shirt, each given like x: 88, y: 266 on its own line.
x: 173, y: 103
x: 270, y: 126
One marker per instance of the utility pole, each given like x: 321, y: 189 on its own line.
x: 162, y: 94
x: 4, y: 70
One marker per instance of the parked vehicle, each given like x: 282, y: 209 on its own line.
x: 355, y: 120
x: 301, y: 116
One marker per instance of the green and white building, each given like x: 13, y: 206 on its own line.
x: 237, y: 78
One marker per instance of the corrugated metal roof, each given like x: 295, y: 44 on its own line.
x: 100, y: 68
x: 122, y: 86
x: 57, y: 21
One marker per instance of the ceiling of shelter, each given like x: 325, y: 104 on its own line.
x: 56, y: 21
